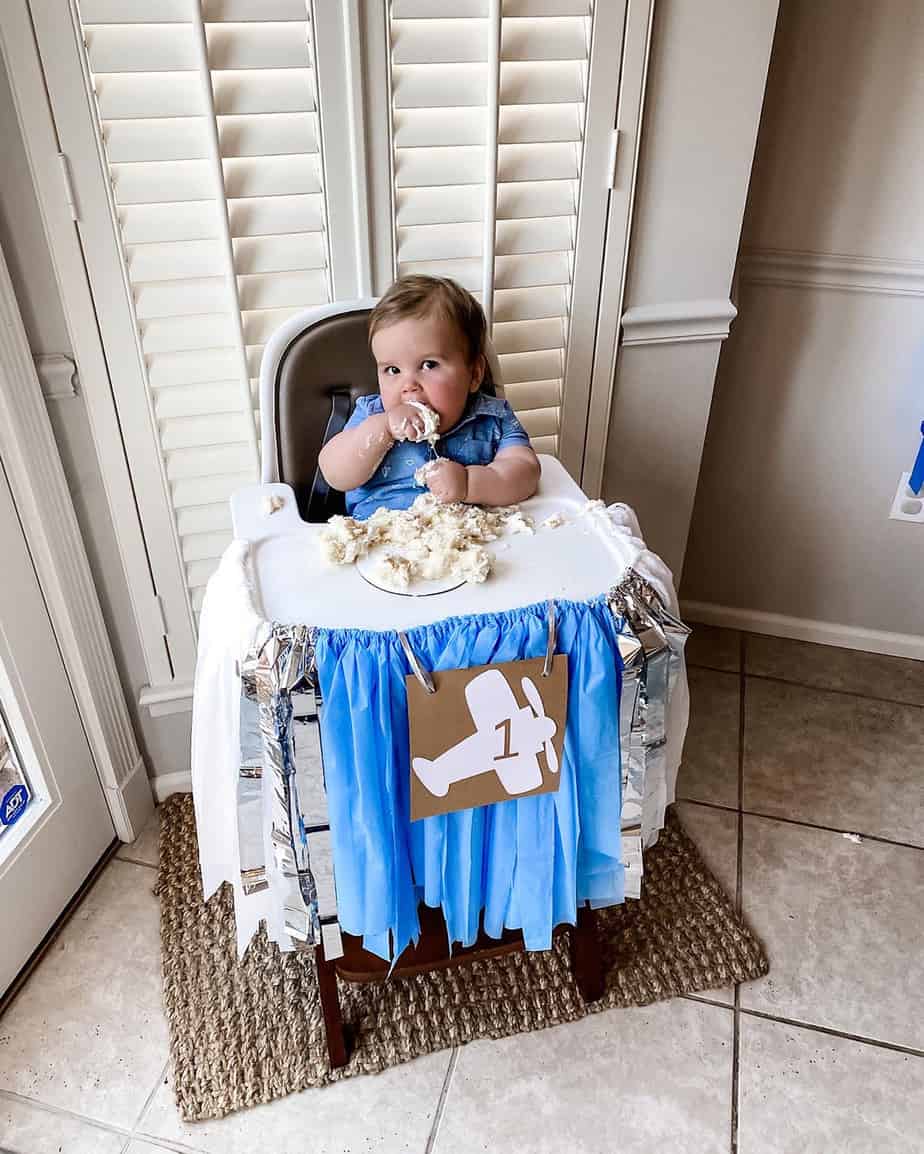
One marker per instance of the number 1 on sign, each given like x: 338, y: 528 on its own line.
x: 508, y: 753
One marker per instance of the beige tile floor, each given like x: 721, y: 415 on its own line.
x: 791, y: 747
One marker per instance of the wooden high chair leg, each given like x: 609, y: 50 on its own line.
x: 330, y: 1007
x: 586, y: 956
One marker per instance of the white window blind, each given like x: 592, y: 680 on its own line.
x: 442, y: 86
x: 209, y: 127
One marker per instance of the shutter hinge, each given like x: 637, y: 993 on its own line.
x: 68, y: 185
x: 159, y: 614
x: 614, y: 152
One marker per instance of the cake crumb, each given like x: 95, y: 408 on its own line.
x: 519, y: 522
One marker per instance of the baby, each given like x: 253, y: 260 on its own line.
x: 427, y: 336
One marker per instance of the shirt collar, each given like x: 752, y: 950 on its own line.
x: 479, y: 405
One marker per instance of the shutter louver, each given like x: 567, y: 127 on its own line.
x: 439, y: 76
x: 202, y: 324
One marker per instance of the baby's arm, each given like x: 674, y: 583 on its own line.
x: 349, y: 459
x: 512, y: 476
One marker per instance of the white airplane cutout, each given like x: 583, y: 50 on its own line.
x: 507, y: 739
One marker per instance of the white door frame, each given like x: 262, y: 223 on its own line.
x: 43, y: 504
x: 47, y: 167
x: 627, y: 139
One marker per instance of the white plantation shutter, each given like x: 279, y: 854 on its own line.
x: 209, y: 131
x: 442, y: 84
x: 231, y: 162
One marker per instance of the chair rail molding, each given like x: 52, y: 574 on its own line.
x: 677, y: 322
x: 43, y: 502
x: 174, y: 697
x: 791, y: 268
x: 58, y: 376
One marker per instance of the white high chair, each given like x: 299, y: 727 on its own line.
x: 313, y: 369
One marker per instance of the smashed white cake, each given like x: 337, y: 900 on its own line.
x: 431, y: 422
x: 422, y: 475
x: 343, y: 540
x: 394, y: 571
x: 431, y: 541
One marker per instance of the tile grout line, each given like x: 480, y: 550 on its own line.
x: 832, y: 829
x: 895, y: 1047
x: 63, y: 1112
x: 707, y: 1001
x: 150, y: 1098
x: 808, y: 685
x: 176, y: 1147
x: 136, y: 861
x: 805, y: 824
x: 708, y: 804
x: 441, y: 1102
x: 168, y: 1144
x: 739, y: 841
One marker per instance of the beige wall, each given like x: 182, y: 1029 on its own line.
x: 705, y: 88
x: 821, y: 391
x: 164, y: 741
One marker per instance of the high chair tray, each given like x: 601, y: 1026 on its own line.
x: 577, y: 560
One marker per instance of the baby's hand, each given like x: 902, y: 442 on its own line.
x: 447, y: 481
x: 405, y: 423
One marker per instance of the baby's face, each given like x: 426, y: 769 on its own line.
x: 424, y: 359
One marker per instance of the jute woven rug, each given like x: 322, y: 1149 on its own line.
x: 251, y: 1031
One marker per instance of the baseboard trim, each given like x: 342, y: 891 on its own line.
x: 131, y: 803
x: 167, y: 783
x: 805, y: 629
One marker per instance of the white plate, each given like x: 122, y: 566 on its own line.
x: 420, y: 588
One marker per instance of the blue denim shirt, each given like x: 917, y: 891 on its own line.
x: 487, y: 425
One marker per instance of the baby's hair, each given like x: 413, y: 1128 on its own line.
x: 421, y: 296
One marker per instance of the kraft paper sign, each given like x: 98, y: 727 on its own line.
x: 489, y: 733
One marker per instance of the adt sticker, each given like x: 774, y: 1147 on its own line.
x: 13, y: 805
